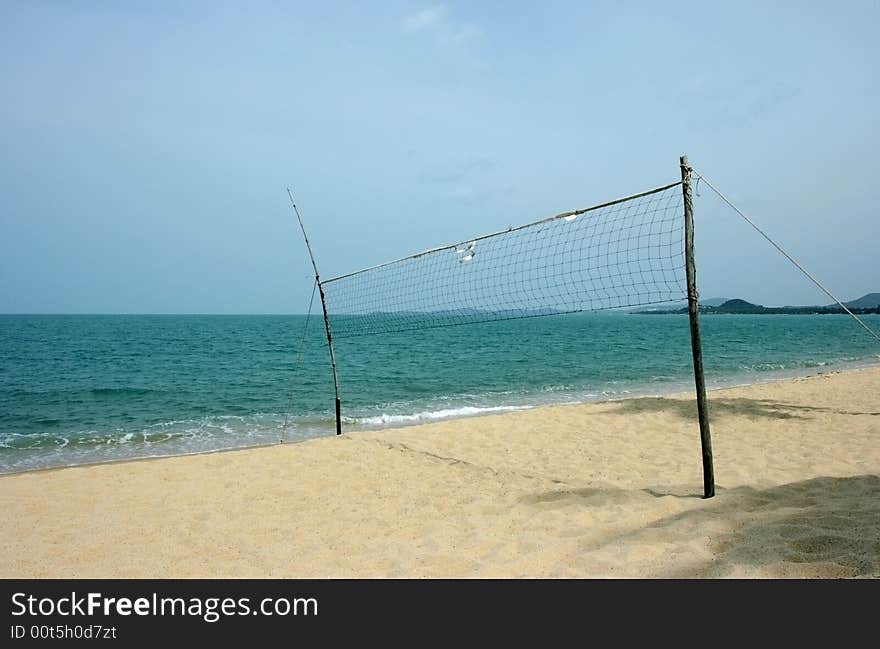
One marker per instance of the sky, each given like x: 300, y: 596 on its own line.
x: 146, y: 147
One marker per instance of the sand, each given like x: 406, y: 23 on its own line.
x: 593, y: 490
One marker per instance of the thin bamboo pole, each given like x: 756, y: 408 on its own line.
x: 326, y: 317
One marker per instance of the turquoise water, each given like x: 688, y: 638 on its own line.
x: 76, y: 389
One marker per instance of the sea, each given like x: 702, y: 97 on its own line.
x: 77, y: 389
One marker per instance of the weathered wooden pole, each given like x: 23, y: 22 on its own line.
x: 326, y: 316
x: 332, y: 355
x: 694, y: 315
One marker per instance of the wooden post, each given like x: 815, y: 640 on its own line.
x: 694, y: 316
x: 332, y: 355
x: 326, y: 316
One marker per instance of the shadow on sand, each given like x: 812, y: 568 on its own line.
x: 824, y: 520
x: 823, y: 527
x: 739, y: 407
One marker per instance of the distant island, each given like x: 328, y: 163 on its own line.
x: 869, y: 303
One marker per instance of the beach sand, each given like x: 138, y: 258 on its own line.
x: 595, y: 490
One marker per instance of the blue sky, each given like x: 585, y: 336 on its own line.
x: 147, y: 146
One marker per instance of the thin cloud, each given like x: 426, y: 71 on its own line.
x: 446, y: 32
x: 425, y: 20
x: 460, y: 38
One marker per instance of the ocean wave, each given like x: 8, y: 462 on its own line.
x: 201, y: 429
x: 386, y: 419
x: 125, y: 392
x: 799, y: 364
x: 25, y: 451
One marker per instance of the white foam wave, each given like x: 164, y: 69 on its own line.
x: 432, y: 415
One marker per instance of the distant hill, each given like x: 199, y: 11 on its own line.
x: 869, y: 303
x: 714, y: 301
x: 738, y: 306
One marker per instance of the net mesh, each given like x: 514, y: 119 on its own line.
x: 627, y: 253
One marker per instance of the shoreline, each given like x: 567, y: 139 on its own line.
x: 675, y: 390
x: 607, y: 489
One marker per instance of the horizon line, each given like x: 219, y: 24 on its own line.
x: 134, y: 313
